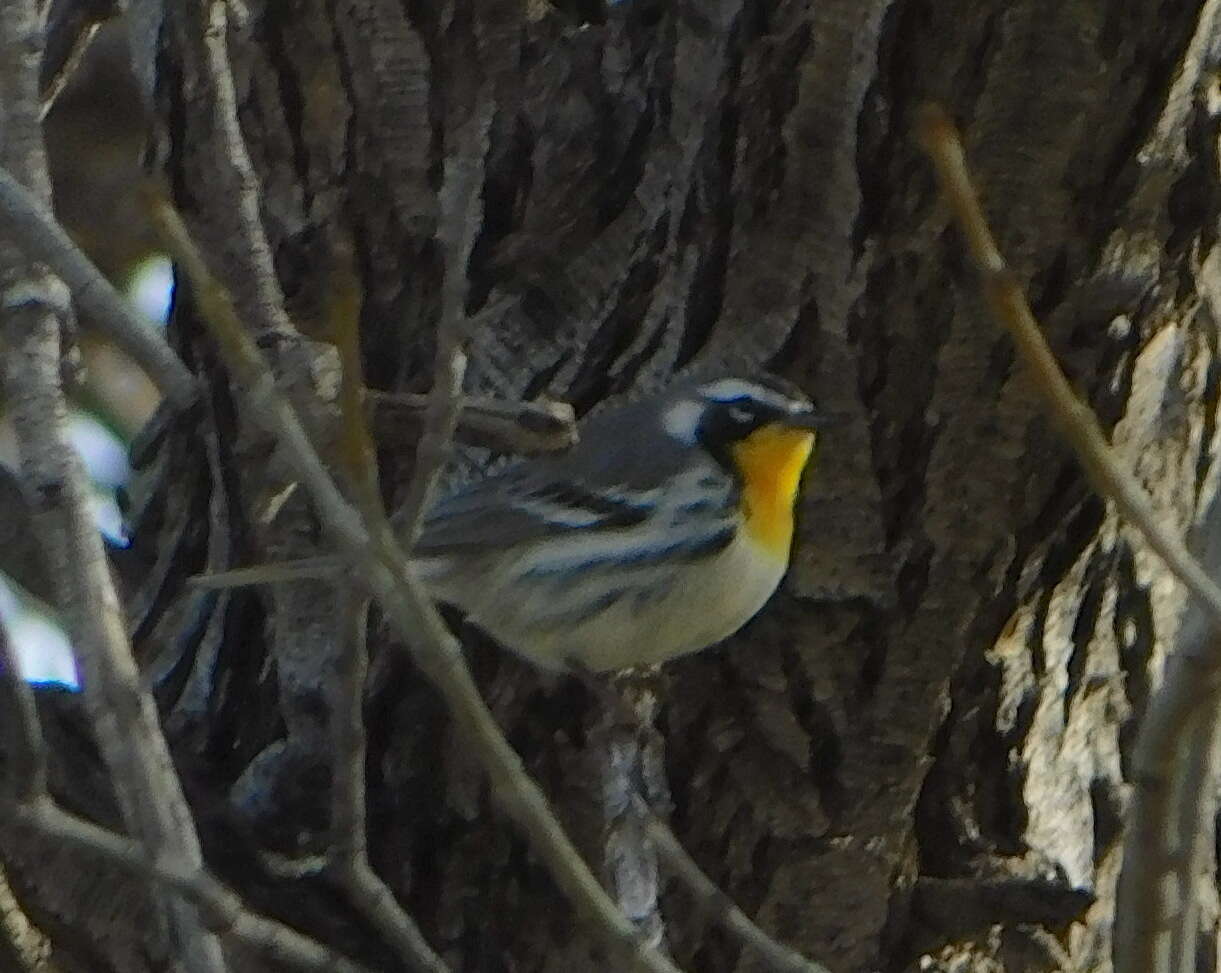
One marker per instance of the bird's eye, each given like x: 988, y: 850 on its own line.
x: 740, y: 416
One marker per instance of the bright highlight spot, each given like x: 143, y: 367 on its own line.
x: 105, y: 458
x: 44, y: 654
x: 152, y: 286
x: 104, y: 453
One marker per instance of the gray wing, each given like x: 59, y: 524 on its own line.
x: 521, y: 506
x: 586, y: 487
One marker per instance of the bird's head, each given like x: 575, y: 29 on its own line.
x: 763, y: 436
x: 750, y: 428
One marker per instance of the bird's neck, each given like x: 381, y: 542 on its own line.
x: 770, y: 462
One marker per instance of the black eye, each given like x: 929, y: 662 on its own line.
x: 740, y: 416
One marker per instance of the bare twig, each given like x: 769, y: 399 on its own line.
x: 343, y: 313
x: 19, y: 937
x: 257, y: 285
x: 121, y: 712
x: 30, y: 226
x: 29, y: 759
x: 26, y: 780
x: 387, y: 574
x: 1075, y: 419
x: 514, y: 427
x: 274, y: 572
x: 520, y: 428
x: 264, y: 300
x: 222, y: 910
x: 1173, y: 759
x: 717, y: 904
x: 76, y: 54
x: 1173, y: 767
x: 69, y: 32
x: 1191, y: 842
x: 461, y: 207
x: 349, y: 847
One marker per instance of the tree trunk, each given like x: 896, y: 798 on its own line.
x: 917, y: 749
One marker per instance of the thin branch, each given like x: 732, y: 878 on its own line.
x: 519, y: 428
x: 76, y: 54
x: 1076, y: 420
x: 25, y: 942
x: 387, y: 573
x: 70, y: 31
x: 461, y: 208
x: 122, y: 714
x: 349, y: 846
x: 1195, y: 776
x: 1173, y: 768
x: 257, y: 285
x: 499, y: 424
x: 711, y: 900
x: 1169, y: 815
x: 358, y: 451
x: 221, y: 908
x: 121, y: 711
x: 265, y: 301
x: 374, y: 900
x: 26, y: 780
x: 273, y: 572
x: 28, y: 759
x: 30, y: 226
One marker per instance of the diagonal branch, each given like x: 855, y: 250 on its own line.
x: 1075, y: 419
x: 717, y: 904
x: 70, y: 30
x: 349, y: 846
x: 257, y: 286
x: 30, y: 227
x: 21, y: 942
x: 461, y: 208
x: 221, y: 909
x: 29, y: 761
x: 349, y: 840
x: 32, y: 307
x: 1174, y: 758
x: 122, y: 713
x: 521, y: 428
x: 386, y: 573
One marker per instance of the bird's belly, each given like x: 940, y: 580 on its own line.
x: 666, y: 612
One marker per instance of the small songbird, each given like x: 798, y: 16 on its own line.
x: 664, y: 530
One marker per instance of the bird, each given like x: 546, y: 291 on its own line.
x: 663, y: 531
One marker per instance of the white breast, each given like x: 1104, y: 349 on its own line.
x: 669, y: 612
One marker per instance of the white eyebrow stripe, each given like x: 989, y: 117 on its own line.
x: 728, y: 389
x: 682, y: 420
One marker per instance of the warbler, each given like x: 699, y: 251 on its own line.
x: 664, y: 530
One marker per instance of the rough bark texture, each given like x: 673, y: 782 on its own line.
x: 917, y: 749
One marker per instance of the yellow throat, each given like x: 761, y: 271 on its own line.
x: 771, y: 460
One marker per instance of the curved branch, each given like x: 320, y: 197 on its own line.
x: 35, y: 232
x: 1174, y: 758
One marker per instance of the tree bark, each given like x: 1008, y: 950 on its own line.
x: 917, y: 749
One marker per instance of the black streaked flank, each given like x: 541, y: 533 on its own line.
x: 687, y: 549
x: 652, y: 594
x: 579, y: 613
x: 613, y: 511
x: 704, y: 505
